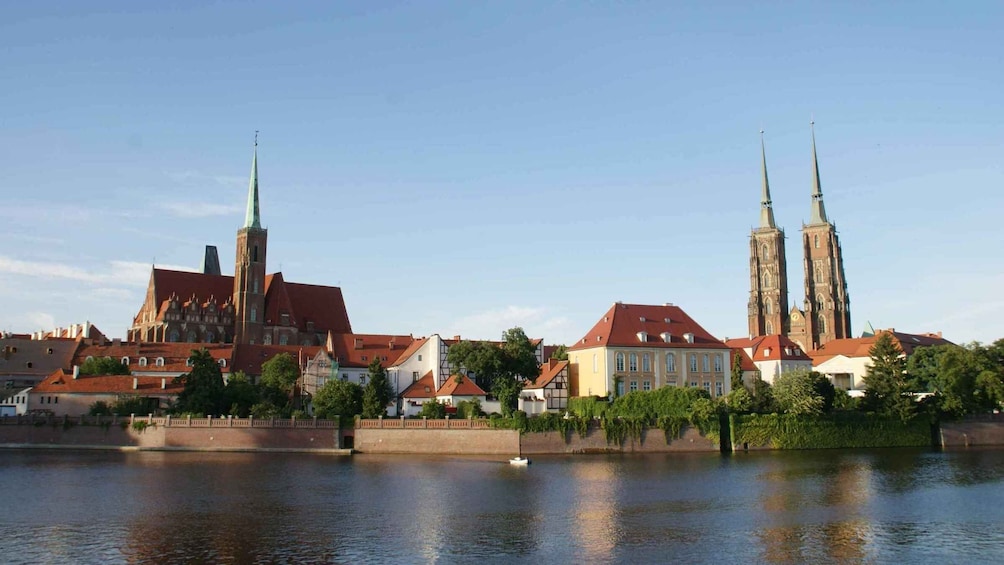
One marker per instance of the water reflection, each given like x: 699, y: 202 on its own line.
x: 594, y: 513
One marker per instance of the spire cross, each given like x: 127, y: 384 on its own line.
x: 256, y: 138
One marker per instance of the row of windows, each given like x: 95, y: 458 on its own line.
x: 48, y: 400
x: 158, y: 362
x: 647, y: 385
x: 646, y: 362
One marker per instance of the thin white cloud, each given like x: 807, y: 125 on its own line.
x: 118, y: 273
x: 201, y: 178
x: 201, y: 209
x: 535, y: 321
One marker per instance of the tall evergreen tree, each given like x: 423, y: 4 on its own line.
x: 204, y: 392
x: 737, y: 371
x: 886, y: 390
x: 377, y: 392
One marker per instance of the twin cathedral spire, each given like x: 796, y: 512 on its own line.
x: 825, y: 314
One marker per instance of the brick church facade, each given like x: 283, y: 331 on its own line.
x: 825, y: 314
x: 250, y: 307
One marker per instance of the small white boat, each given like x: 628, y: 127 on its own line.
x: 519, y: 461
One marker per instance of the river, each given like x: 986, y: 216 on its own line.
x: 872, y: 506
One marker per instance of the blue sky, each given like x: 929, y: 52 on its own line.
x: 466, y: 167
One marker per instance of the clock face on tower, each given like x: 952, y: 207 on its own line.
x: 794, y: 316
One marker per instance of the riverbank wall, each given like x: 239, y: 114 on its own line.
x: 167, y: 434
x: 987, y: 430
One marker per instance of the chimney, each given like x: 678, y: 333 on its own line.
x: 135, y: 383
x: 73, y: 331
x: 163, y: 383
x: 87, y: 329
x: 117, y: 341
x: 456, y: 338
x: 76, y: 371
x: 358, y: 344
x: 391, y: 344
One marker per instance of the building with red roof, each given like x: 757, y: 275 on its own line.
x: 846, y: 361
x: 248, y: 308
x: 549, y: 391
x: 772, y: 355
x: 645, y: 347
x: 72, y: 394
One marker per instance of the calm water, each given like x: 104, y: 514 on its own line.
x: 888, y: 506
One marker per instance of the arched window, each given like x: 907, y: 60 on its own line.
x: 125, y: 361
x: 620, y: 362
x: 670, y: 363
x: 693, y: 362
x: 766, y: 280
x: 767, y: 308
x: 254, y: 253
x: 705, y: 365
x: 254, y: 284
x: 210, y: 337
x: 820, y: 303
x: 254, y: 314
x: 646, y: 363
x: 718, y: 363
x: 284, y: 339
x: 222, y: 362
x: 822, y: 324
x: 633, y: 362
x: 769, y: 328
x: 764, y: 253
x: 159, y: 362
x: 142, y: 361
x: 815, y: 241
x: 175, y: 336
x: 192, y: 337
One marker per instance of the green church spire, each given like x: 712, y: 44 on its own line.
x: 818, y: 211
x: 766, y: 210
x: 253, y: 218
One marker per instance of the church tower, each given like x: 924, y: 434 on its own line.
x: 249, y: 270
x: 768, y: 303
x: 826, y: 315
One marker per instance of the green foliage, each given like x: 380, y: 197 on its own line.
x: 588, y: 407
x: 650, y: 405
x: 103, y: 366
x: 377, y: 392
x: 433, y: 410
x: 141, y: 425
x: 468, y: 409
x: 739, y: 400
x: 125, y: 405
x: 842, y: 401
x: 241, y: 394
x: 966, y: 380
x: 619, y: 429
x: 803, y: 392
x: 560, y: 353
x: 763, y: 397
x: 204, y: 389
x: 99, y: 408
x: 886, y: 390
x: 277, y: 386
x: 838, y: 430
x: 499, y: 369
x: 338, y: 398
x: 737, y: 372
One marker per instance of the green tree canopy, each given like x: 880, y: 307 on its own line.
x: 204, y: 392
x: 103, y: 366
x: 338, y: 398
x: 241, y: 394
x: 737, y: 371
x: 432, y: 409
x: 803, y: 392
x: 278, y: 381
x: 763, y: 397
x: 886, y: 390
x: 499, y: 369
x: 377, y: 393
x: 560, y: 353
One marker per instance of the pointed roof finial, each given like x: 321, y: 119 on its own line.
x: 818, y: 212
x: 766, y: 209
x: 253, y: 218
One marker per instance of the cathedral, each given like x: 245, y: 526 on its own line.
x: 825, y: 314
x: 249, y: 307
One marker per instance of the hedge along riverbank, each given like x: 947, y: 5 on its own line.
x: 851, y: 429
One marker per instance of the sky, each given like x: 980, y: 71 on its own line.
x: 466, y: 167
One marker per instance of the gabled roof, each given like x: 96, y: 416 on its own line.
x: 249, y: 358
x: 548, y: 371
x: 411, y: 350
x: 465, y: 387
x: 359, y: 350
x: 424, y: 387
x: 773, y: 347
x: 322, y: 305
x: 35, y: 357
x: 175, y: 355
x: 60, y: 382
x: 861, y: 346
x: 622, y: 323
x: 746, y: 363
x: 186, y: 285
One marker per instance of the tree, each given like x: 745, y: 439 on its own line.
x: 103, y: 366
x: 737, y: 371
x: 763, y: 397
x: 338, y: 398
x: 499, y: 369
x: 433, y: 410
x: 204, y: 392
x: 886, y: 390
x: 560, y: 353
x: 278, y: 380
x: 377, y: 393
x: 241, y: 394
x: 739, y: 400
x: 803, y: 392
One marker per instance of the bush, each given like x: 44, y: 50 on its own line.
x: 838, y: 430
x: 99, y: 408
x: 588, y: 407
x: 433, y: 410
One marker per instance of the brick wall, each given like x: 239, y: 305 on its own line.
x: 431, y: 441
x: 652, y: 441
x: 989, y: 431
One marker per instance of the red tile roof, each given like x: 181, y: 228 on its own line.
x: 249, y: 358
x: 773, y: 347
x: 622, y: 323
x: 746, y: 363
x: 548, y: 371
x: 185, y: 285
x: 322, y: 305
x: 175, y: 355
x: 35, y: 357
x: 359, y: 350
x: 411, y: 349
x: 424, y: 387
x: 64, y: 383
x: 465, y: 387
x: 861, y: 346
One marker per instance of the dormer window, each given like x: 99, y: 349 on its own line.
x: 188, y: 362
x: 666, y: 337
x: 642, y: 319
x: 125, y: 361
x: 159, y: 362
x: 667, y: 320
x: 766, y: 352
x: 643, y: 336
x: 142, y: 361
x: 222, y: 362
x: 688, y: 337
